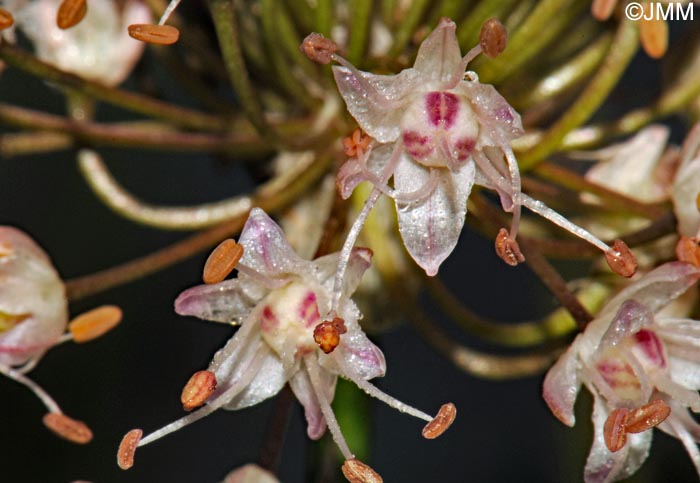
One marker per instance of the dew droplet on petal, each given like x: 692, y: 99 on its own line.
x: 127, y: 448
x: 614, y: 432
x: 94, y: 323
x: 493, y: 38
x: 198, y: 389
x: 357, y: 472
x: 6, y: 19
x: 154, y: 34
x: 68, y: 428
x: 621, y: 260
x: 222, y: 261
x: 70, y: 13
x: 440, y: 423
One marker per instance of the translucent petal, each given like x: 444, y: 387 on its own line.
x: 377, y: 102
x: 682, y: 426
x: 430, y: 228
x: 499, y: 122
x: 439, y: 55
x: 561, y: 386
x: 227, y: 301
x: 630, y: 318
x: 266, y: 250
x: 684, y: 372
x: 325, y: 268
x: 304, y: 392
x: 684, y: 194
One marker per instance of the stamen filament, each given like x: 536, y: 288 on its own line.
x: 375, y: 392
x: 33, y: 386
x: 169, y: 11
x: 331, y: 421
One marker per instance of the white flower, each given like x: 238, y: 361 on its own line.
x: 98, y: 48
x: 637, y: 362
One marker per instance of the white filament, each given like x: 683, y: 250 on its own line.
x: 33, y: 386
x: 169, y: 11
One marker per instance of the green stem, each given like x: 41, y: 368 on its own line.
x: 176, y: 115
x: 19, y: 144
x: 359, y: 29
x: 324, y: 16
x: 620, y: 54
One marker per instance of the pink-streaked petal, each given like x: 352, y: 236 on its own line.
x: 377, y: 102
x: 654, y: 290
x: 439, y: 55
x: 430, y: 228
x: 354, y: 171
x: 266, y: 250
x: 630, y: 318
x: 561, y: 386
x: 499, y: 122
x: 228, y: 301
x: 304, y: 392
x: 603, y: 466
x: 684, y: 194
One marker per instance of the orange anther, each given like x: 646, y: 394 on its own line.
x: 154, y: 34
x: 493, y: 38
x: 70, y: 13
x: 327, y: 336
x: 222, y: 261
x: 67, y: 428
x: 127, y: 448
x: 621, y: 260
x: 648, y: 416
x: 357, y: 472
x: 6, y: 19
x: 687, y: 250
x: 94, y: 323
x: 440, y: 423
x: 602, y: 9
x: 653, y: 33
x: 508, y: 249
x: 614, y: 432
x: 198, y: 389
x: 318, y: 48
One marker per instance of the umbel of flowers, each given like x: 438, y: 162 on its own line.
x: 278, y: 299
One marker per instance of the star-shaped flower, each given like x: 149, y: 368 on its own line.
x: 278, y: 299
x: 640, y: 367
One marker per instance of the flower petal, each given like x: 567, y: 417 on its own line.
x: 250, y: 473
x: 561, y: 386
x: 228, y: 301
x: 377, y: 101
x: 304, y: 392
x: 680, y: 424
x: 498, y: 121
x: 684, y: 194
x: 354, y: 171
x: 439, y: 55
x: 266, y: 250
x: 430, y: 228
x: 326, y: 266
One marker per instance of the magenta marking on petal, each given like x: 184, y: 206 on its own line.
x: 308, y: 310
x: 464, y: 147
x: 417, y: 146
x: 652, y: 346
x: 268, y: 320
x: 503, y: 114
x: 617, y: 374
x: 442, y: 108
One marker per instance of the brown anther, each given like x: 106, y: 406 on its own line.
x: 318, y: 48
x: 222, y: 261
x: 198, y: 389
x: 67, y: 428
x: 355, y: 144
x: 688, y: 250
x: 614, y: 432
x: 339, y: 325
x: 602, y: 9
x: 6, y: 19
x: 493, y: 38
x: 127, y: 448
x: 93, y: 323
x: 356, y: 471
x: 440, y: 423
x: 621, y: 260
x: 154, y: 34
x: 653, y: 33
x: 70, y: 13
x: 327, y: 336
x: 508, y: 249
x: 648, y: 416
